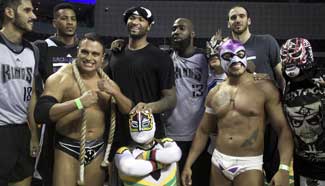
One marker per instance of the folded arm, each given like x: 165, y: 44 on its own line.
x: 131, y: 166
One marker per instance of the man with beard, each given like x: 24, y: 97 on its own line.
x: 144, y: 73
x: 55, y: 52
x: 304, y: 105
x: 18, y: 66
x: 263, y: 51
x: 191, y: 74
x: 237, y: 109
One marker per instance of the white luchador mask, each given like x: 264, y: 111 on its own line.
x: 142, y: 127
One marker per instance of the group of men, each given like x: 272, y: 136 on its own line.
x: 61, y: 82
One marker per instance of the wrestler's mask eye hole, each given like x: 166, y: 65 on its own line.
x: 296, y: 123
x: 283, y: 56
x: 145, y: 123
x: 241, y: 54
x: 227, y: 56
x: 134, y: 124
x: 296, y: 53
x: 314, y: 120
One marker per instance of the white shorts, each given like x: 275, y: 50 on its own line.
x: 232, y: 166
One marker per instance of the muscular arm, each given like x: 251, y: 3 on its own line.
x: 55, y: 86
x: 201, y: 138
x: 111, y: 88
x: 278, y: 75
x: 124, y: 104
x: 207, y: 125
x: 279, y: 123
x: 130, y: 166
x: 168, y: 101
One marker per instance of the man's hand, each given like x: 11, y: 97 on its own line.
x: 34, y: 146
x: 108, y: 86
x: 214, y: 43
x: 117, y: 46
x: 187, y: 176
x: 281, y: 178
x: 88, y: 98
x: 141, y: 106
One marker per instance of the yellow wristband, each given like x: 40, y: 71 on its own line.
x: 78, y: 104
x: 284, y: 167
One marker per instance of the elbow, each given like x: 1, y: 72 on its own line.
x: 42, y: 109
x: 40, y: 115
x: 177, y: 154
x: 172, y: 101
x: 173, y: 156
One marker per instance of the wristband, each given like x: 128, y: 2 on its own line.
x: 284, y: 167
x: 78, y: 104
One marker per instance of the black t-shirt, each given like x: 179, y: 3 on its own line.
x: 141, y: 75
x: 304, y: 107
x: 53, y: 55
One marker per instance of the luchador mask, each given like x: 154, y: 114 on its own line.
x: 296, y: 57
x: 142, y: 126
x: 232, y: 51
x: 306, y: 121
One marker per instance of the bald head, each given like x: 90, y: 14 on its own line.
x: 182, y: 34
x: 184, y: 21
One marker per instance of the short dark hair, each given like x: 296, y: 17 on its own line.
x: 93, y: 37
x: 61, y: 6
x: 239, y: 6
x: 7, y: 3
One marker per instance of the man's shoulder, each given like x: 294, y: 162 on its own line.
x: 40, y: 42
x: 63, y: 75
x: 216, y: 89
x: 152, y: 49
x: 268, y: 86
x: 264, y: 38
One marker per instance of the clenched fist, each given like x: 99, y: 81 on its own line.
x: 88, y: 98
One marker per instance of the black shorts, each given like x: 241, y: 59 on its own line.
x: 16, y: 163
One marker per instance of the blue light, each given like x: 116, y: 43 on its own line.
x: 92, y: 2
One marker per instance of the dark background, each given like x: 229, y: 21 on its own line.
x: 282, y: 19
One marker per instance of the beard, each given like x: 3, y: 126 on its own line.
x: 181, y: 44
x: 239, y: 32
x: 140, y: 34
x: 20, y: 24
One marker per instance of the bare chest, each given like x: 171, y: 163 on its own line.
x: 244, y: 100
x: 75, y: 91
